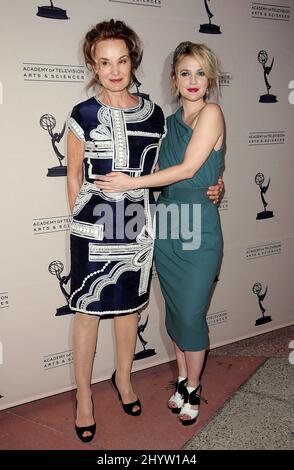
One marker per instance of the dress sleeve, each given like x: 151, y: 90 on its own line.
x: 74, y: 123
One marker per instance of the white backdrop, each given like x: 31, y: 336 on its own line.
x: 42, y: 73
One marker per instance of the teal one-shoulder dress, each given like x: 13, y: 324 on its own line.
x: 188, y: 245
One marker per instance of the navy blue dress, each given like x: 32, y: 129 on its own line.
x: 112, y: 233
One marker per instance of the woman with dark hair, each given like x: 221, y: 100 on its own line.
x: 111, y: 131
x: 191, y: 158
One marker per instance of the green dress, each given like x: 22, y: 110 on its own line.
x: 188, y: 246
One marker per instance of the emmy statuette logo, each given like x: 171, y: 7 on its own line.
x: 146, y: 352
x: 262, y: 59
x: 256, y: 289
x: 50, y: 11
x: 209, y: 28
x: 265, y: 214
x: 48, y: 122
x: 55, y: 268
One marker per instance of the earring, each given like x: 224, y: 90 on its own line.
x: 206, y: 96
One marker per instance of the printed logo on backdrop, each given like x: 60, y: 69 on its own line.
x: 143, y: 3
x: 37, y: 72
x: 265, y: 214
x: 209, y: 28
x: 291, y: 94
x: 266, y: 138
x: 224, y: 204
x: 52, y: 12
x: 266, y: 249
x: 262, y: 58
x: 271, y: 12
x: 217, y: 318
x: 59, y: 359
x: 225, y: 79
x: 145, y: 352
x: 51, y: 224
x: 56, y: 268
x: 4, y: 300
x: 48, y: 123
x: 256, y: 289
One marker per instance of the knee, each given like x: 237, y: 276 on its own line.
x: 85, y: 321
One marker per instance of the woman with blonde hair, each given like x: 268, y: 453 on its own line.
x: 191, y: 158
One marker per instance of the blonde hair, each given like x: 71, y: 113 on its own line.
x: 207, y: 59
x: 111, y: 29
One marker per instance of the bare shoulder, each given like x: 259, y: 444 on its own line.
x: 213, y: 110
x: 211, y: 114
x: 210, y: 123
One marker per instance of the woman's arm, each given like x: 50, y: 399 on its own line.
x: 209, y: 128
x: 75, y: 155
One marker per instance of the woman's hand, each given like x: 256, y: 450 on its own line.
x: 115, y: 182
x: 214, y: 192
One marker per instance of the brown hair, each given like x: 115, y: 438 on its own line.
x: 112, y: 29
x: 207, y: 59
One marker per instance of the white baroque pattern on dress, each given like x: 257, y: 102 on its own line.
x: 83, y: 197
x: 133, y: 195
x: 88, y: 189
x: 128, y: 257
x: 104, y: 115
x: 86, y: 230
x: 101, y: 132
x: 115, y: 130
x: 76, y: 129
x: 121, y: 144
x: 141, y: 114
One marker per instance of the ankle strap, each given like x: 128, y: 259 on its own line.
x: 180, y: 386
x: 194, y: 397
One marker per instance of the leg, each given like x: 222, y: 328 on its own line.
x: 175, y: 401
x: 126, y: 336
x: 181, y: 361
x: 194, y: 361
x: 84, y: 344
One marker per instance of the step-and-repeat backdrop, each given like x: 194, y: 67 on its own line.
x: 42, y: 76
